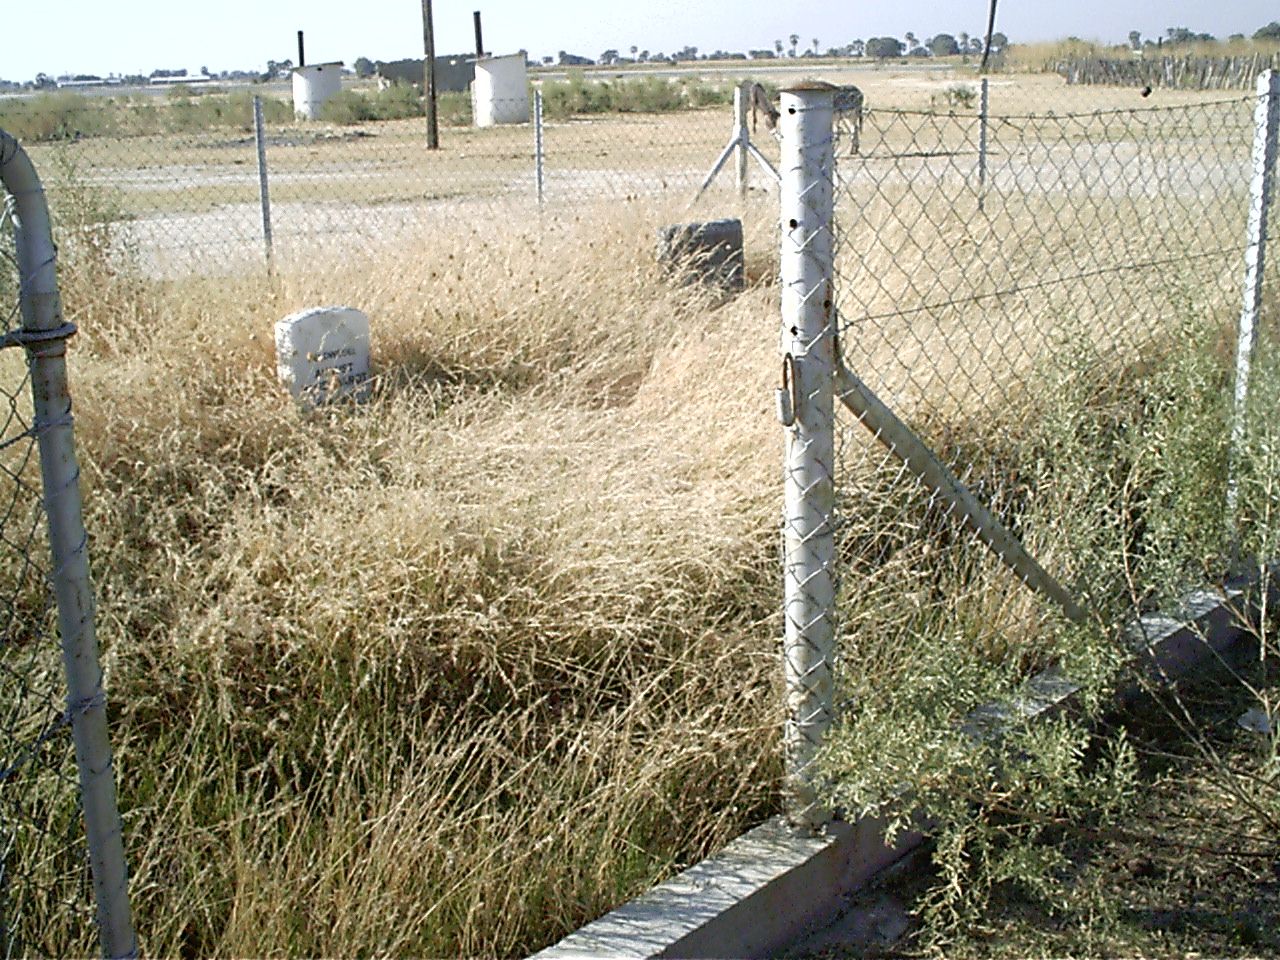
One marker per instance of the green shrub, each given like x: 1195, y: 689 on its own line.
x: 577, y: 95
x: 347, y: 107
x: 397, y: 102
x: 57, y: 115
x: 63, y: 115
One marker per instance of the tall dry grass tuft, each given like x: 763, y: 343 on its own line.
x: 452, y: 671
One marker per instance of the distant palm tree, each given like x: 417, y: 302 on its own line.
x: 795, y: 38
x: 634, y: 51
x: 777, y: 45
x: 815, y: 46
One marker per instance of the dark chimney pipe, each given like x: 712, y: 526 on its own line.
x: 479, y: 41
x: 302, y: 59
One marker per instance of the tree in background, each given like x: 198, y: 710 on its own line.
x: 857, y: 48
x: 1270, y: 32
x: 944, y: 45
x: 1178, y: 35
x: 795, y: 39
x: 1135, y: 40
x: 884, y: 47
x: 363, y: 67
x: 777, y: 45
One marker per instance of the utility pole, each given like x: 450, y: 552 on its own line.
x: 429, y: 77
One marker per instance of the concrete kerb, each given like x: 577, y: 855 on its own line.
x: 770, y: 888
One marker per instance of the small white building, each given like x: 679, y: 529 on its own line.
x: 313, y: 86
x: 500, y: 91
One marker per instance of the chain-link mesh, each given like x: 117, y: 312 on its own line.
x: 46, y: 905
x: 1014, y: 294
x: 179, y: 176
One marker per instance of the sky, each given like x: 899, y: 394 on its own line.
x: 138, y: 36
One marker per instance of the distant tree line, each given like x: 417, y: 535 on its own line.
x: 1182, y: 36
x: 881, y: 48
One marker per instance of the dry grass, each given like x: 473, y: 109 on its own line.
x: 454, y: 671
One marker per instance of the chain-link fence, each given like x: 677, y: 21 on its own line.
x: 1009, y: 348
x: 62, y: 881
x: 211, y: 193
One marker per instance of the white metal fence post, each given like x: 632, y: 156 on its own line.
x: 807, y: 405
x: 983, y: 104
x: 537, y: 144
x: 1266, y: 120
x: 741, y: 99
x: 264, y: 195
x: 44, y: 335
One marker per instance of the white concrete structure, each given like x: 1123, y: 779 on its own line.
x: 323, y: 353
x: 313, y: 85
x: 500, y: 91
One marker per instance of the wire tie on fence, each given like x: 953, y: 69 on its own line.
x: 79, y: 707
x: 44, y: 426
x: 33, y: 339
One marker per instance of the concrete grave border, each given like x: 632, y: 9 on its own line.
x: 770, y: 888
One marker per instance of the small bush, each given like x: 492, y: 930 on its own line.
x: 961, y: 95
x: 54, y: 116
x: 454, y: 109
x: 577, y: 95
x: 63, y: 115
x: 347, y: 107
x: 398, y: 102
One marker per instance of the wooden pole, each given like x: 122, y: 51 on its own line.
x: 429, y: 76
x: 986, y: 47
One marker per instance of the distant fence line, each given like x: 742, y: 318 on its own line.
x: 1181, y: 73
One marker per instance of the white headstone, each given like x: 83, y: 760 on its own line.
x: 323, y: 353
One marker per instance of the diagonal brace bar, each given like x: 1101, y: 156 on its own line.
x: 912, y: 451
